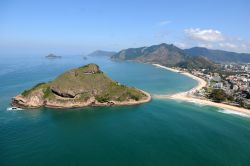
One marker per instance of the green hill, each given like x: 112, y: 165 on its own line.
x: 79, y: 87
x: 164, y: 54
x: 198, y: 62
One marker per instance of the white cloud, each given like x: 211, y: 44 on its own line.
x: 164, y: 22
x: 207, y: 35
x: 245, y: 46
x: 214, y: 39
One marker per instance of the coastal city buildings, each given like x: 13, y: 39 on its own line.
x: 232, y: 81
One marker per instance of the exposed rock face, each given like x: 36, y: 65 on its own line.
x: 67, y: 94
x: 80, y: 87
x: 33, y: 100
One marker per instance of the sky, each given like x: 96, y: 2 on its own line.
x: 81, y: 26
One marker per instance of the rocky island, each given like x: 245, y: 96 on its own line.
x: 79, y: 87
x: 53, y: 56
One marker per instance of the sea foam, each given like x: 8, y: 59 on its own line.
x: 11, y: 109
x: 234, y: 113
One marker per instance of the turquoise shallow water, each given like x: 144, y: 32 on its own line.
x: 162, y: 132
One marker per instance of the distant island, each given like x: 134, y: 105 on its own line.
x: 102, y: 53
x: 52, y: 56
x: 79, y: 87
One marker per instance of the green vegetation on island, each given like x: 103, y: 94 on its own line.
x: 82, y: 86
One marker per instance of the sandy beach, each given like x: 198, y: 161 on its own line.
x: 190, y: 97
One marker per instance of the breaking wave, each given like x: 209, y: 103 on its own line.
x: 234, y: 113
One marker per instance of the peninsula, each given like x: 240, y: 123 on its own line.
x: 79, y: 87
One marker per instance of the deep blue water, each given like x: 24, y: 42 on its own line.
x: 161, y: 132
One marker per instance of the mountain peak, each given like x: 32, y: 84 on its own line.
x: 163, y: 53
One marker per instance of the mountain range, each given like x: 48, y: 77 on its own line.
x: 170, y: 55
x: 164, y: 54
x: 219, y: 55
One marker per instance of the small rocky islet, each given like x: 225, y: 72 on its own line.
x: 79, y: 87
x: 53, y: 56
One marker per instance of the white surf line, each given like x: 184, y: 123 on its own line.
x: 231, y: 112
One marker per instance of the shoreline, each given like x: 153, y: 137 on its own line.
x: 190, y: 97
x: 91, y: 102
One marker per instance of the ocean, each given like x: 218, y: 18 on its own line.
x: 158, y: 133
